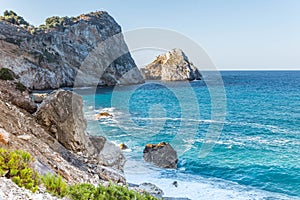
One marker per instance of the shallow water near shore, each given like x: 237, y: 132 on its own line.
x: 257, y: 155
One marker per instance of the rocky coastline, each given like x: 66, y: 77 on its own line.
x: 51, y: 127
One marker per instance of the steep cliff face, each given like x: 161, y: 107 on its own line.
x: 172, y: 66
x: 88, y: 50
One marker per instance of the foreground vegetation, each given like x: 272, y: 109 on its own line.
x: 17, y: 165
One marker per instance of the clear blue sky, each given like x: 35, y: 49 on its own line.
x: 237, y: 34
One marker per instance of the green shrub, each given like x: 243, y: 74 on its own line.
x: 16, y: 165
x: 55, y: 185
x: 12, y: 17
x: 20, y: 87
x: 90, y: 192
x: 84, y: 191
x: 6, y: 74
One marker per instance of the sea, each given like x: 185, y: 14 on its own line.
x: 236, y: 139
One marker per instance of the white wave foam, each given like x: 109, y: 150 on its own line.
x: 196, y: 187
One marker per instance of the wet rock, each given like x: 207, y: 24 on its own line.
x: 152, y: 189
x: 175, y: 183
x: 172, y: 66
x: 162, y: 155
x: 102, y: 115
x: 123, y: 146
x: 111, y: 156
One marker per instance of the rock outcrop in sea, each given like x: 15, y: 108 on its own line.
x: 172, y: 66
x: 162, y: 155
x: 88, y: 50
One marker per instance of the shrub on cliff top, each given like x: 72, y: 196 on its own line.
x: 7, y: 74
x: 12, y: 17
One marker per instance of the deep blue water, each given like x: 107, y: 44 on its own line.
x: 258, y: 148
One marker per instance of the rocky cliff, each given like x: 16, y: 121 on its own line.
x: 55, y: 136
x: 87, y: 50
x: 172, y: 66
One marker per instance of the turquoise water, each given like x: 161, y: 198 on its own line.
x: 257, y: 155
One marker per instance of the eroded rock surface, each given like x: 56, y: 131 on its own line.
x: 87, y: 50
x: 172, y: 66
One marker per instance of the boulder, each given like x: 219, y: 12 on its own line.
x: 61, y: 114
x: 17, y: 94
x: 123, y: 146
x: 38, y: 98
x: 111, y: 156
x: 152, y: 189
x: 172, y: 66
x: 162, y: 155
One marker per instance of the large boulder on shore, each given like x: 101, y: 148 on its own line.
x: 62, y: 116
x: 162, y: 155
x: 172, y: 66
x: 108, y: 153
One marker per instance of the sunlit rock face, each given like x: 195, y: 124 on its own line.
x: 88, y: 50
x: 172, y: 66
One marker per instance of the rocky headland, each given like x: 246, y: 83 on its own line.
x: 88, y: 50
x: 171, y: 66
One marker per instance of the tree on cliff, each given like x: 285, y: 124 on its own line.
x: 12, y: 17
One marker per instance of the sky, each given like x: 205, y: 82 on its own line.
x: 236, y: 34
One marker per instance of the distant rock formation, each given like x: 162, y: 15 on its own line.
x: 172, y: 66
x: 54, y: 56
x: 162, y: 155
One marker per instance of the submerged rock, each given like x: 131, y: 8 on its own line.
x: 103, y: 115
x: 87, y: 50
x: 123, y: 146
x: 162, y: 155
x: 172, y: 66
